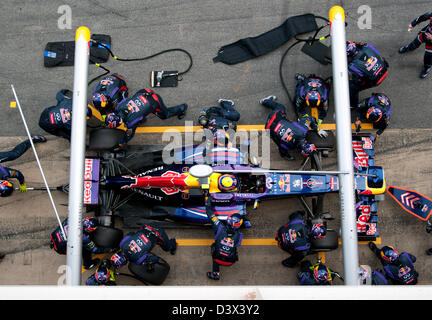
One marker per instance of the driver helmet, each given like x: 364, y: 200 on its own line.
x: 389, y: 254
x: 313, y: 99
x: 113, y: 120
x: 374, y: 114
x: 89, y: 224
x: 318, y: 231
x: 102, y: 274
x: 234, y: 221
x: 6, y: 188
x: 227, y: 183
x: 221, y: 138
x: 351, y: 48
x: 321, y: 273
x: 118, y: 260
x: 308, y: 149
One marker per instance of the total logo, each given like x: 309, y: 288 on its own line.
x: 312, y: 183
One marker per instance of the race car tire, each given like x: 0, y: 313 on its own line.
x: 107, y: 237
x: 329, y: 242
x: 321, y: 143
x: 104, y: 139
x: 154, y: 277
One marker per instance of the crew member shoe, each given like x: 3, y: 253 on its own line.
x: 403, y: 49
x: 247, y: 223
x: 182, y: 114
x: 213, y: 275
x: 93, y: 263
x: 287, y: 156
x: 2, y: 255
x: 289, y: 263
x: 425, y: 72
x: 271, y: 98
x: 226, y: 100
x: 37, y: 139
x: 174, y: 246
x: 372, y: 246
x: 429, y: 252
x: 299, y: 77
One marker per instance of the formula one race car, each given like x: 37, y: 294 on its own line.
x: 137, y: 186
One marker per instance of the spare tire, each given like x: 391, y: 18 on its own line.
x: 321, y: 143
x: 329, y: 242
x: 107, y: 237
x: 155, y: 277
x: 104, y: 139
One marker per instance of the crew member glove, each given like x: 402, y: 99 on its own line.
x: 22, y: 187
x: 322, y: 133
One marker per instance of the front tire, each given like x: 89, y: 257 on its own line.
x: 155, y: 277
x: 105, y: 139
x: 107, y: 237
x: 328, y: 243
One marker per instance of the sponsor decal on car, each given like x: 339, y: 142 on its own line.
x: 284, y: 183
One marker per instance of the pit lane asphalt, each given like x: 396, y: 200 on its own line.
x: 139, y: 29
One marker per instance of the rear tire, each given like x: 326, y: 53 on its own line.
x: 330, y: 242
x: 104, y: 139
x: 155, y: 277
x: 107, y: 237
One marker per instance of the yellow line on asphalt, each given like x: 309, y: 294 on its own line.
x: 246, y: 127
x: 182, y: 129
x: 247, y: 242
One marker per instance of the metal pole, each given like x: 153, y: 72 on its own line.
x: 76, y: 174
x: 38, y: 162
x: 344, y: 145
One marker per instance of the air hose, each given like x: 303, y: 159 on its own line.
x: 139, y: 59
x: 309, y: 41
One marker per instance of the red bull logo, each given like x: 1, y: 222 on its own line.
x: 134, y: 247
x: 228, y: 242
x: 314, y: 83
x: 106, y: 82
x: 284, y: 183
x: 370, y: 63
x: 88, y: 167
x: 65, y: 114
x: 292, y: 235
x: 87, y: 192
x: 361, y: 155
x: 383, y: 100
